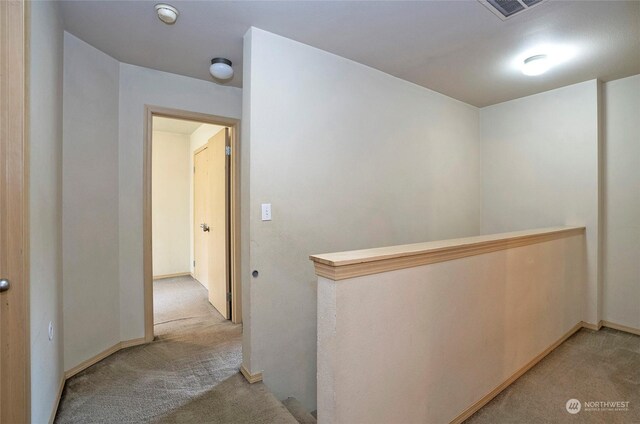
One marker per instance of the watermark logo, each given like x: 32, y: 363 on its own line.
x: 607, y: 406
x: 573, y: 406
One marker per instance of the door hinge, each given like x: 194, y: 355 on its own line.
x: 194, y: 169
x: 194, y: 264
x: 227, y: 150
x: 229, y: 297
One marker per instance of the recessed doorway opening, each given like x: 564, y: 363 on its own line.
x: 191, y: 224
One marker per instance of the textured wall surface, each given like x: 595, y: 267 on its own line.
x: 90, y: 202
x: 349, y: 157
x: 45, y: 207
x: 621, y: 298
x: 540, y: 168
x: 453, y: 333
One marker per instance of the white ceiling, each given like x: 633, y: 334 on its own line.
x: 458, y: 48
x: 179, y: 126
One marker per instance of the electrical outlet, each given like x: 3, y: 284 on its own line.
x: 50, y: 330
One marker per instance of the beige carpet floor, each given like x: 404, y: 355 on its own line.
x: 591, y: 366
x: 189, y: 374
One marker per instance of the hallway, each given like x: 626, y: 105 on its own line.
x: 189, y: 374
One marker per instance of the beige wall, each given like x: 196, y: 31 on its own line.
x: 622, y: 202
x: 139, y: 87
x: 454, y: 331
x: 198, y: 138
x: 540, y: 168
x: 349, y: 157
x: 104, y: 104
x: 356, y: 185
x: 90, y: 202
x: 170, y: 215
x: 45, y: 207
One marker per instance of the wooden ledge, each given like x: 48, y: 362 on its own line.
x: 356, y: 263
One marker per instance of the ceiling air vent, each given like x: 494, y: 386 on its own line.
x: 504, y: 9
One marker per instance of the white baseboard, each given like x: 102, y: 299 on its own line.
x: 486, y: 399
x: 609, y: 324
x: 100, y: 356
x: 621, y: 327
x: 590, y: 326
x: 55, y: 408
x: 495, y: 392
x: 177, y: 274
x: 86, y: 364
x: 254, y: 378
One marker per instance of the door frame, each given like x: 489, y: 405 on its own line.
x: 14, y: 211
x: 234, y: 190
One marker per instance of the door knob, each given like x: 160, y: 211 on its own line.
x: 204, y: 227
x: 4, y: 285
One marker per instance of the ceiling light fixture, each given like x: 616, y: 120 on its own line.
x: 167, y: 13
x: 221, y: 68
x: 543, y: 57
x: 536, y: 65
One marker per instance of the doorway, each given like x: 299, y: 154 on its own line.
x: 190, y: 157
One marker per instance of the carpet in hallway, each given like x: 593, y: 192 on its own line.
x: 189, y: 374
x: 589, y: 366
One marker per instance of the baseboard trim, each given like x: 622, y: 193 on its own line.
x: 177, y: 274
x: 590, y: 326
x: 495, y: 392
x: 55, y: 408
x: 621, y: 327
x: 251, y: 378
x: 100, y: 356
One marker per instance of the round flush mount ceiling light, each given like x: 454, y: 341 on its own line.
x: 544, y: 57
x: 536, y: 65
x: 221, y: 68
x: 167, y: 13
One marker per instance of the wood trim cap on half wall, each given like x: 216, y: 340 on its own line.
x: 356, y: 263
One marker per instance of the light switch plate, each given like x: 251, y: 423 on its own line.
x: 266, y: 211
